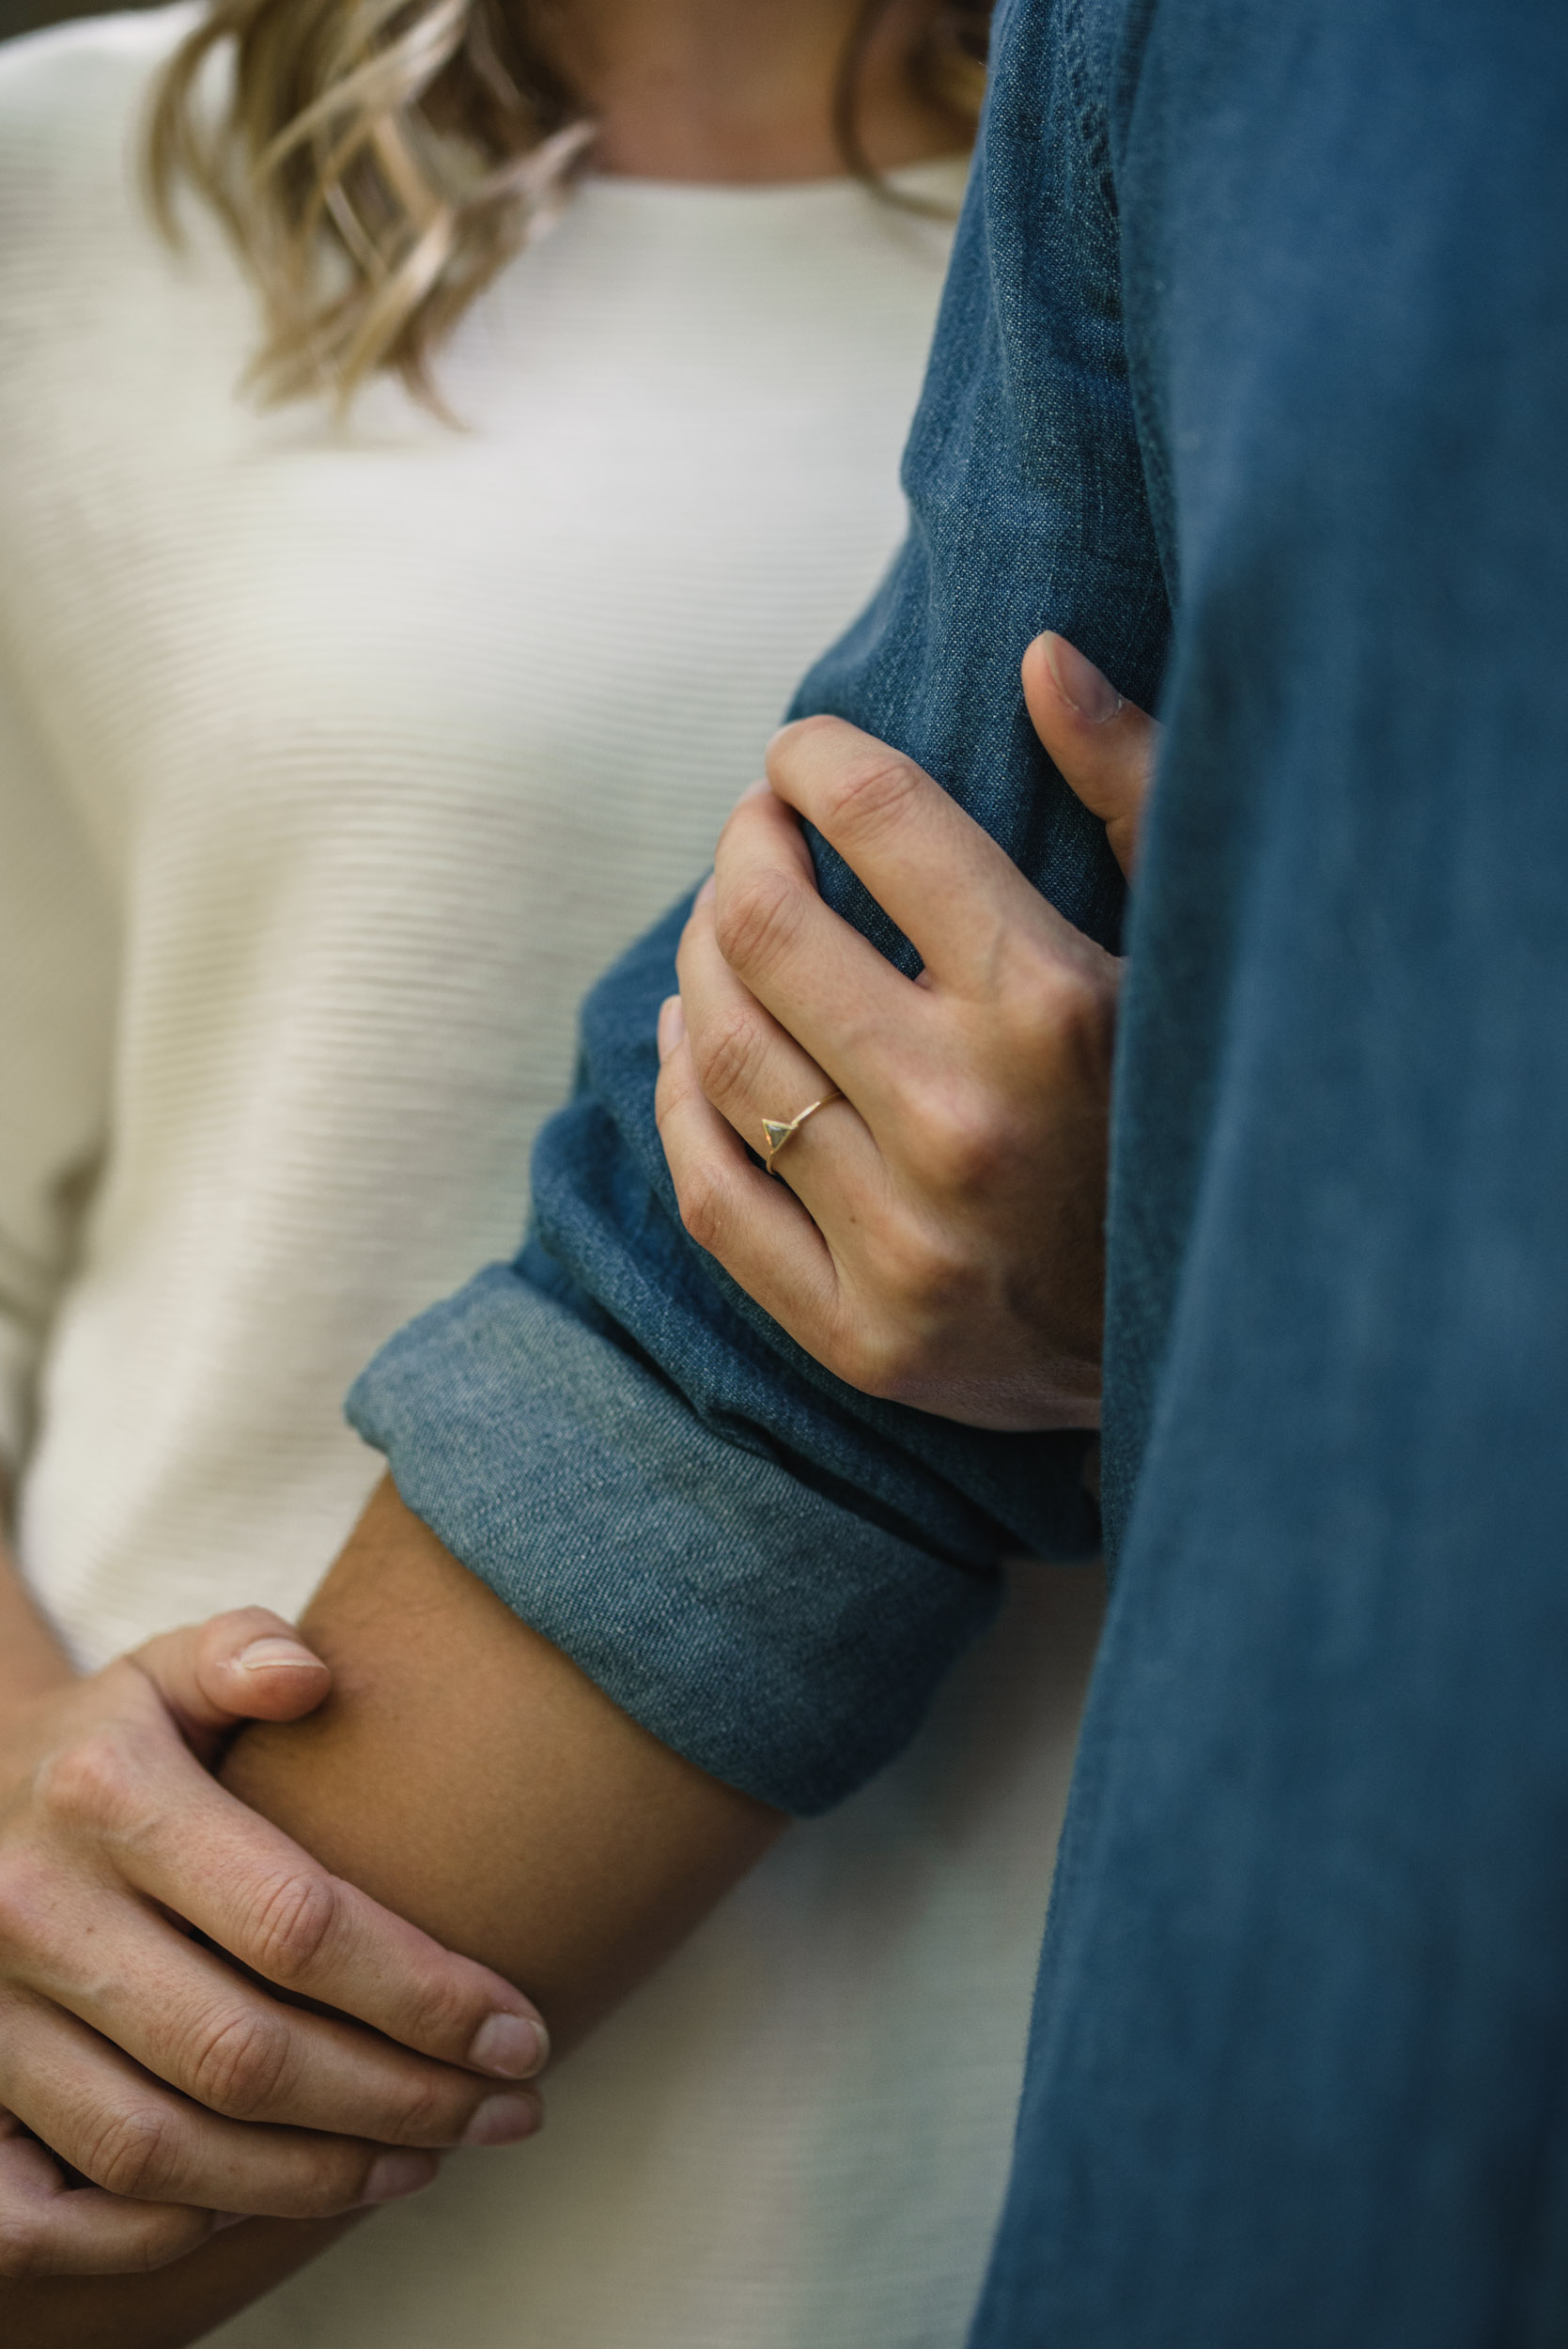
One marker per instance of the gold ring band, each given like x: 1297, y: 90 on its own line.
x: 776, y: 1134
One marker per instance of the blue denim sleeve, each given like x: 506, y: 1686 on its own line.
x: 1299, y: 2065
x: 767, y: 1570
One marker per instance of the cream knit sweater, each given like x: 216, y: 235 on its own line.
x: 334, y: 763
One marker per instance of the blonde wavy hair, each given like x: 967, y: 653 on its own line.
x: 377, y: 161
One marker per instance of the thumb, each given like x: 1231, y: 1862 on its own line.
x: 1104, y: 748
x: 248, y: 1665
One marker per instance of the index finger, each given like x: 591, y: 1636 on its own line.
x: 48, y: 2228
x: 254, y: 1892
x: 953, y: 891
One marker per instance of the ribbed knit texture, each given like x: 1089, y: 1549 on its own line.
x: 344, y: 760
x: 335, y: 764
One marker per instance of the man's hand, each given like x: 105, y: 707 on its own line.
x: 171, y: 2083
x: 944, y: 1246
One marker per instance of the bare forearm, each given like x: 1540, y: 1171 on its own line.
x: 469, y: 1776
x: 464, y: 1772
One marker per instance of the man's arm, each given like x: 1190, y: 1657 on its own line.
x: 469, y: 1776
x: 466, y: 1774
x: 807, y: 1561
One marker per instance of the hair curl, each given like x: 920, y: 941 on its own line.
x: 377, y: 161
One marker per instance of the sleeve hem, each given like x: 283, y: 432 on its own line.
x: 754, y: 1625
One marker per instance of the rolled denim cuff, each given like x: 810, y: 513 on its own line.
x: 749, y: 1621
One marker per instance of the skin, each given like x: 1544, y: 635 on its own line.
x: 935, y: 1235
x: 110, y: 1821
x: 540, y: 1836
x: 715, y: 91
x: 106, y: 1997
x: 464, y: 1773
x: 457, y: 1768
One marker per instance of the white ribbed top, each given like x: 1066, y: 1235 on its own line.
x: 344, y: 760
x: 334, y: 763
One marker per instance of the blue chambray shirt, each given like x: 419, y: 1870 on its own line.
x: 1260, y: 308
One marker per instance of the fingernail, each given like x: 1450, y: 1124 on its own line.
x: 222, y: 2218
x: 514, y: 2046
x: 672, y: 1026
x: 503, y: 2121
x: 393, y: 2175
x: 1079, y: 683
x: 704, y: 894
x: 275, y: 1654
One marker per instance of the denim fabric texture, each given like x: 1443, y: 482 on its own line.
x: 1271, y: 303
x: 1299, y: 2066
x: 1025, y: 488
x: 676, y: 1502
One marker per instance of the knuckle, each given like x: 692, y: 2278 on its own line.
x: 875, y: 1358
x: 869, y: 788
x: 92, y: 1784
x: 858, y: 1357
x: 238, y: 2063
x: 728, y: 1053
x: 131, y: 2152
x: 967, y: 1142
x: 294, y: 1918
x: 758, y: 919
x: 429, y: 2110
x: 1060, y: 1012
x: 1087, y: 1018
x: 898, y: 1365
x: 934, y: 1277
x: 438, y: 2009
x: 920, y: 1284
x: 168, y: 2240
x: 327, y: 2178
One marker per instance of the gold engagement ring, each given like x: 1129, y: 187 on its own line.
x: 777, y: 1134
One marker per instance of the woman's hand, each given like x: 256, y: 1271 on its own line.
x: 176, y: 2086
x: 944, y: 1246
